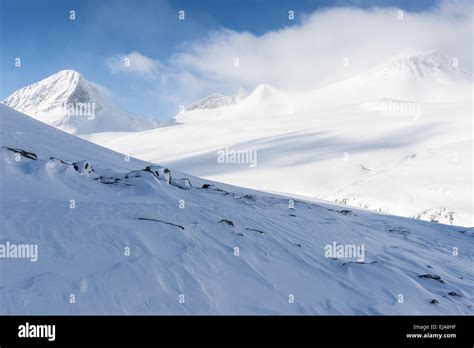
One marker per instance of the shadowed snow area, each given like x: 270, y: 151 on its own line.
x: 182, y: 233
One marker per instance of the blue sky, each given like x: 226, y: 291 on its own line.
x: 42, y: 35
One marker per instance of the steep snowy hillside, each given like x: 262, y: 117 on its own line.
x: 69, y: 102
x: 119, y: 236
x: 396, y: 139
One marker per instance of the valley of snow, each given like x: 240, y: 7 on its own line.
x: 396, y: 139
x: 120, y: 237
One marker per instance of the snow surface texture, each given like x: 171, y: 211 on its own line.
x: 410, y: 266
x: 396, y: 139
x: 71, y: 103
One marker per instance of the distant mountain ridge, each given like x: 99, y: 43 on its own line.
x: 422, y: 77
x: 425, y: 64
x: 217, y: 100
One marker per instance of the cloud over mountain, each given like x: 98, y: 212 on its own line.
x: 326, y: 46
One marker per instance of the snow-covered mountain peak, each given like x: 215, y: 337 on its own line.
x: 217, y: 100
x: 47, y: 93
x: 432, y: 64
x: 240, y: 95
x: 265, y: 96
x: 68, y: 101
x: 70, y: 74
x: 263, y: 92
x: 421, y: 77
x: 66, y: 76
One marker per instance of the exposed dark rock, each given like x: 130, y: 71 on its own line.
x: 431, y: 276
x: 163, y: 222
x: 360, y: 263
x: 108, y: 181
x: 212, y: 187
x: 134, y: 174
x: 433, y: 301
x: 255, y: 230
x: 23, y: 153
x: 83, y: 167
x: 59, y: 160
x: 228, y: 222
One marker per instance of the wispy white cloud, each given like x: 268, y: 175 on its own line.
x: 313, y: 52
x: 134, y: 63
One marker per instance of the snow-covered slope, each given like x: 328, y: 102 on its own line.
x: 397, y: 138
x: 69, y: 102
x: 426, y: 77
x: 117, y: 236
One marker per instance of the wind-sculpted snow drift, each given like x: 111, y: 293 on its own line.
x: 116, y: 235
